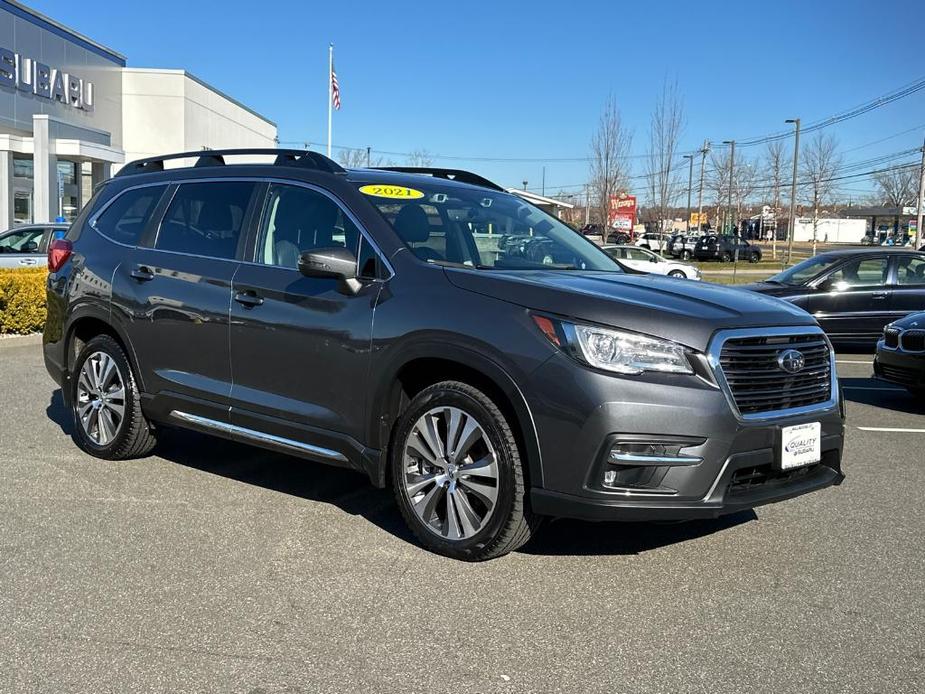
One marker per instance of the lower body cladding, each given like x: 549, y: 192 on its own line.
x: 666, y: 447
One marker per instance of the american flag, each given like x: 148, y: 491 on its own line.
x: 335, y: 89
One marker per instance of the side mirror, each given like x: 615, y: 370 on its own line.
x: 30, y: 247
x: 335, y: 262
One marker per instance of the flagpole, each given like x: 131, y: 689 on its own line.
x: 330, y: 91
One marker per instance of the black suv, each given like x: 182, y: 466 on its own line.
x: 726, y: 249
x: 436, y: 333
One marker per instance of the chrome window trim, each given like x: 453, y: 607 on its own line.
x: 259, y: 436
x: 177, y: 182
x: 715, y: 348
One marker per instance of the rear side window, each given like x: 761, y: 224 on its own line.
x: 127, y: 216
x: 205, y: 219
x: 911, y: 271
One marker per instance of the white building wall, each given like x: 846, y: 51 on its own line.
x: 168, y: 111
x: 830, y: 230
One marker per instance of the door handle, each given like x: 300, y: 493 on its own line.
x: 248, y: 299
x: 879, y: 295
x: 28, y: 261
x: 142, y: 273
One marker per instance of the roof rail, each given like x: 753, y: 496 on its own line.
x: 299, y: 158
x: 448, y: 174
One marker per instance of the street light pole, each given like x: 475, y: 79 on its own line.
x: 793, y: 187
x: 732, y: 168
x: 690, y: 182
x: 703, y: 158
x: 918, y: 205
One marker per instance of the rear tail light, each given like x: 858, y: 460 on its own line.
x: 58, y: 253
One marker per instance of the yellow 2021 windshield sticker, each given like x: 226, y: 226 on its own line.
x: 394, y: 192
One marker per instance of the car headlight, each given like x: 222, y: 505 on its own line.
x: 615, y: 350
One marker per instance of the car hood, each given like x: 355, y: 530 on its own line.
x: 686, y: 312
x: 913, y: 320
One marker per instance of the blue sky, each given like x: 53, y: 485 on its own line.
x: 527, y: 80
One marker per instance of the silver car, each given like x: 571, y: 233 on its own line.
x: 26, y: 246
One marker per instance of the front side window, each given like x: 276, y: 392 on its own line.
x: 298, y: 219
x: 484, y: 229
x: 802, y: 272
x: 127, y: 216
x: 870, y: 272
x: 23, y: 241
x: 911, y: 271
x: 205, y: 219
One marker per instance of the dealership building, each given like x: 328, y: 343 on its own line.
x: 71, y: 113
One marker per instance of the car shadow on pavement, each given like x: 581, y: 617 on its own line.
x: 352, y: 493
x: 869, y: 391
x: 566, y: 537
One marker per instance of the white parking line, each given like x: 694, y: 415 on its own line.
x: 893, y: 429
x: 892, y: 390
x: 848, y: 361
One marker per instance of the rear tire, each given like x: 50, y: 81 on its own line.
x: 457, y: 474
x: 754, y: 258
x: 686, y: 255
x: 726, y: 257
x: 106, y: 405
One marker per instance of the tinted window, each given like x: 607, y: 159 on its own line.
x: 370, y: 265
x: 870, y: 272
x: 205, y: 219
x: 126, y: 217
x: 22, y: 241
x: 299, y: 219
x: 911, y: 271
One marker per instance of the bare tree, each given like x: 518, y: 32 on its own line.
x: 820, y: 163
x: 776, y: 162
x: 420, y: 157
x: 354, y: 158
x: 665, y: 128
x: 610, y: 146
x: 897, y: 187
x: 744, y: 180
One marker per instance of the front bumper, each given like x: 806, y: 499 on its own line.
x: 739, y: 460
x: 902, y: 368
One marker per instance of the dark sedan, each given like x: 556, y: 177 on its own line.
x: 853, y: 293
x: 901, y: 354
x: 726, y: 249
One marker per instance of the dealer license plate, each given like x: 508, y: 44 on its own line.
x: 801, y: 445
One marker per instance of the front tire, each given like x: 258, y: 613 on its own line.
x: 105, y: 403
x: 726, y: 257
x: 458, y: 476
x: 754, y: 258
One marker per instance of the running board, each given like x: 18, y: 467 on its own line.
x: 259, y: 437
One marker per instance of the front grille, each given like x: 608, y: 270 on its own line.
x: 913, y: 340
x: 759, y: 384
x: 898, y: 374
x: 891, y: 338
x: 750, y: 479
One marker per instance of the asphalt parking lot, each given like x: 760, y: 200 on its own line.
x: 217, y: 567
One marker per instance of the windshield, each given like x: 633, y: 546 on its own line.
x: 801, y: 272
x: 482, y: 229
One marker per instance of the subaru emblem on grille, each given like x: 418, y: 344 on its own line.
x: 791, y: 361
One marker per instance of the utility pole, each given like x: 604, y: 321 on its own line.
x: 793, y: 188
x: 690, y: 183
x: 587, y: 205
x: 918, y: 213
x: 732, y: 168
x: 543, y: 189
x: 368, y: 150
x: 525, y: 184
x: 703, y: 158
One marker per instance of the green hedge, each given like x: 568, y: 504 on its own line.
x: 22, y: 300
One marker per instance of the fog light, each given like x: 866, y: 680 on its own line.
x: 610, y: 476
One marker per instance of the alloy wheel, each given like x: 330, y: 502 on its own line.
x: 100, y: 403
x: 450, y: 473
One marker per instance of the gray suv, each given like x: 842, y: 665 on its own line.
x: 436, y: 333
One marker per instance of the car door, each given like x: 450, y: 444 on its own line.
x: 639, y: 259
x: 908, y: 285
x: 21, y: 248
x: 300, y: 346
x: 853, y: 301
x: 175, y: 290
